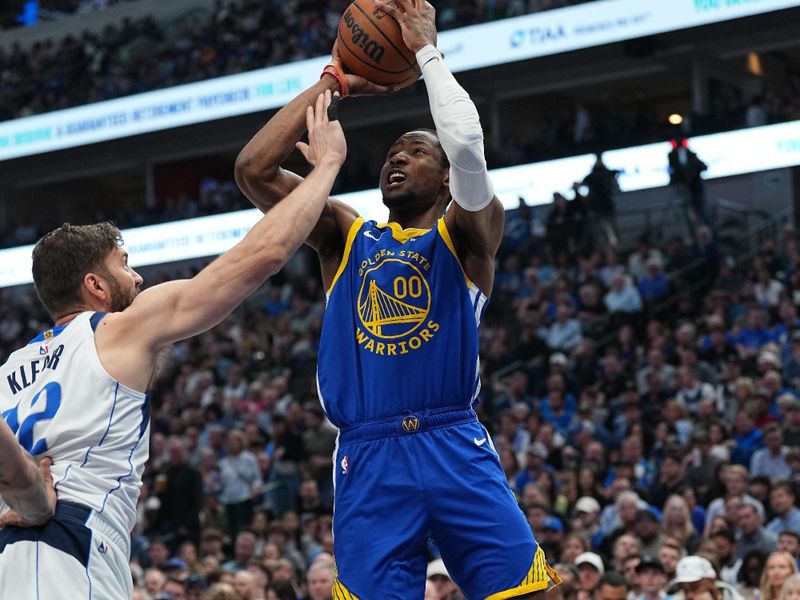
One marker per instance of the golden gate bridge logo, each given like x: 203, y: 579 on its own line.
x: 394, y: 306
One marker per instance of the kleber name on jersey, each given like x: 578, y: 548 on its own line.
x: 25, y: 375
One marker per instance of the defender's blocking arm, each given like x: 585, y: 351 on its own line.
x: 177, y: 310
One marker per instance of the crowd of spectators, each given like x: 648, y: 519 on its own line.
x: 635, y: 438
x: 12, y: 11
x: 142, y: 55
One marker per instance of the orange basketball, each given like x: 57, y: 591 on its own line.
x: 371, y: 45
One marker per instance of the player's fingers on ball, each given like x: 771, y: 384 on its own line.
x: 403, y: 5
x: 387, y: 8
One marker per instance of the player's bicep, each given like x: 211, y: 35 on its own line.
x: 177, y: 310
x: 477, y: 233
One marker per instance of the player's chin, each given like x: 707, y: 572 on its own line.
x: 398, y: 198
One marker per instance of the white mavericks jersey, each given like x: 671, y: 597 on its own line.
x: 61, y: 402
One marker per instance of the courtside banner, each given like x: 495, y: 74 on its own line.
x: 641, y: 167
x: 508, y: 40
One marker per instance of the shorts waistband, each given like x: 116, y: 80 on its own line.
x: 410, y: 423
x: 94, y: 521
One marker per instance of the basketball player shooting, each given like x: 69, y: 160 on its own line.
x: 78, y: 392
x: 398, y: 357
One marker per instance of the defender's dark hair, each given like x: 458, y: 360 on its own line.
x: 63, y: 257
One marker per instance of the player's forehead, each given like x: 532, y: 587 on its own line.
x: 417, y: 137
x: 118, y: 253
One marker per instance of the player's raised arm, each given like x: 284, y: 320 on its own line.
x: 258, y: 169
x: 177, y: 310
x: 25, y: 486
x: 476, y: 219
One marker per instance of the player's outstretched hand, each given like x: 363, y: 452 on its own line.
x: 326, y: 142
x: 37, y: 516
x: 417, y: 19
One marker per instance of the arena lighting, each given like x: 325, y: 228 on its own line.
x: 675, y: 119
x: 642, y: 167
x: 474, y: 47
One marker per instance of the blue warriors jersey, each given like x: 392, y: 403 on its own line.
x: 401, y: 326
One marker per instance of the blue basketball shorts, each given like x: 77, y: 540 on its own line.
x: 403, y: 480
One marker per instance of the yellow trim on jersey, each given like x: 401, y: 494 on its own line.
x: 541, y: 576
x: 348, y: 244
x: 400, y: 234
x: 449, y: 242
x: 340, y: 592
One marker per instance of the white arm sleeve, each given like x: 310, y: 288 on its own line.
x: 459, y: 129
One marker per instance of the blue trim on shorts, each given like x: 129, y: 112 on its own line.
x: 66, y: 532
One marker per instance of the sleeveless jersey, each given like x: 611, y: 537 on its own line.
x: 400, y: 331
x: 60, y: 402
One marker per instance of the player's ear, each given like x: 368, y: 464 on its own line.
x: 95, y: 286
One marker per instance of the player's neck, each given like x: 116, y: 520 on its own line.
x: 426, y: 220
x: 66, y: 318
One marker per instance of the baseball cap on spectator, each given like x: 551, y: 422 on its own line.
x: 436, y: 567
x: 769, y: 357
x: 554, y: 524
x: 538, y: 449
x: 693, y: 568
x: 195, y: 581
x: 587, y: 504
x: 648, y: 513
x: 732, y: 356
x: 793, y: 404
x: 590, y: 558
x: 649, y: 561
x: 212, y: 534
x: 175, y: 563
x: 558, y: 358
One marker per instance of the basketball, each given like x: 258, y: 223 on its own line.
x: 371, y: 45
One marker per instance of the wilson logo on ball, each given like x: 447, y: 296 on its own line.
x: 361, y: 38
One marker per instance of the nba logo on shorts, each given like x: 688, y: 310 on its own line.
x: 345, y: 465
x: 102, y: 548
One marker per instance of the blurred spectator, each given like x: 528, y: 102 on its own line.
x: 611, y: 587
x: 602, y: 185
x: 590, y: 572
x: 695, y: 574
x: 771, y: 460
x: 780, y: 566
x: 652, y: 579
x: 782, y: 502
x: 752, y: 535
x: 181, y: 500
x: 241, y: 482
x: 684, y: 171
